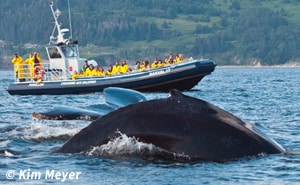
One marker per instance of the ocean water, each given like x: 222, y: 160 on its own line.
x: 265, y: 97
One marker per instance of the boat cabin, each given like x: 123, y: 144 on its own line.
x: 63, y: 53
x: 64, y: 59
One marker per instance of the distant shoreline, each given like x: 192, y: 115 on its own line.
x: 258, y: 66
x: 288, y: 65
x: 254, y: 67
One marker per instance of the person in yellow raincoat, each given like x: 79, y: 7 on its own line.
x: 90, y: 71
x: 154, y: 63
x: 101, y: 72
x: 116, y: 68
x: 109, y: 71
x: 30, y: 66
x: 75, y: 75
x: 18, y: 67
x: 124, y: 68
x: 37, y: 59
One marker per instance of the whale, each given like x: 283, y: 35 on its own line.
x: 114, y: 98
x: 178, y: 125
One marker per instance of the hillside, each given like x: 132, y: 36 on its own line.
x: 228, y: 31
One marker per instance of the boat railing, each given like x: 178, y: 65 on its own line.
x: 27, y: 73
x: 56, y: 74
x: 23, y: 72
x: 150, y: 71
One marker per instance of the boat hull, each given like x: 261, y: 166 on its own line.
x: 181, y: 76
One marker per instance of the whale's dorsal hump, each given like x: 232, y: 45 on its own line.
x: 175, y: 92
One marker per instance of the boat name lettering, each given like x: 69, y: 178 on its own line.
x: 32, y: 85
x: 78, y: 82
x: 160, y: 72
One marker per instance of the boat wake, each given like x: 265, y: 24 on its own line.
x: 123, y: 147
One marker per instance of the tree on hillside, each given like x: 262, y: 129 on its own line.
x: 261, y: 33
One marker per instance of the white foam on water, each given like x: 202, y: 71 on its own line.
x: 121, y: 146
x: 124, y: 146
x: 42, y: 131
x: 8, y: 154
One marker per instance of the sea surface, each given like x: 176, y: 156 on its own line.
x: 266, y: 97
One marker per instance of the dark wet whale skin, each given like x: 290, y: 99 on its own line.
x: 178, y: 124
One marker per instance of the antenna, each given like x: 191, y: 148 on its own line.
x: 60, y: 32
x: 71, y: 35
x: 56, y: 14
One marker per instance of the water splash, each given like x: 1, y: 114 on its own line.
x: 42, y: 131
x: 120, y: 146
x: 124, y: 146
x: 6, y: 153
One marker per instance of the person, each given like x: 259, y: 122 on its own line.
x: 137, y: 65
x: 95, y: 71
x: 166, y: 62
x: 75, y: 75
x: 18, y: 67
x: 160, y: 63
x: 100, y: 71
x: 179, y: 58
x: 155, y: 63
x: 85, y: 66
x: 89, y: 71
x: 109, y: 70
x: 170, y: 60
x: 55, y: 54
x: 142, y: 67
x: 124, y: 68
x: 116, y: 67
x: 146, y: 64
x: 37, y: 59
x: 30, y: 65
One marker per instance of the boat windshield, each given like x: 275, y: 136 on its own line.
x: 54, y: 52
x: 70, y: 51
